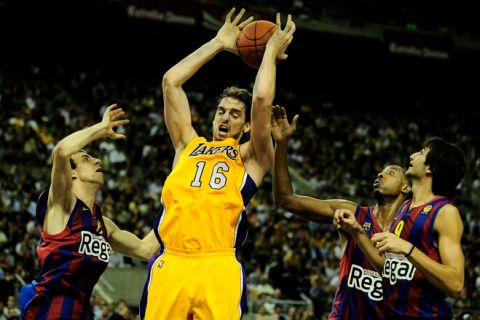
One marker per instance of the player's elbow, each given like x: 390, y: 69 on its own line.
x: 61, y: 150
x: 170, y: 80
x: 149, y: 250
x: 262, y: 99
x: 282, y: 200
x: 167, y: 80
x: 278, y: 200
x: 455, y: 288
x: 457, y: 294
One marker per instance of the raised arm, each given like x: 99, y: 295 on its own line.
x: 128, y: 244
x: 177, y: 109
x: 447, y: 275
x: 310, y: 208
x: 60, y: 197
x: 261, y: 146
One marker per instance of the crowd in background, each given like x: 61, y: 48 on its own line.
x: 445, y: 17
x: 335, y: 153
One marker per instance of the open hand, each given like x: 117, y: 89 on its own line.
x: 281, y: 39
x: 110, y: 121
x: 229, y: 32
x: 281, y: 128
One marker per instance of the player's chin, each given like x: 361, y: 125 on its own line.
x: 377, y: 193
x: 221, y: 136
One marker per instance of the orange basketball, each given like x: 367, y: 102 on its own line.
x: 252, y: 41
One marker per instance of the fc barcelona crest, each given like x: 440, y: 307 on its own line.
x: 367, y: 226
x: 427, y: 209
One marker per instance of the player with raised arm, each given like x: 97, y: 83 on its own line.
x: 359, y: 293
x: 421, y: 257
x: 203, y: 221
x: 76, y: 240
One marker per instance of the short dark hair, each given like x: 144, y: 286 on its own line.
x: 240, y: 94
x: 73, y: 165
x: 447, y: 163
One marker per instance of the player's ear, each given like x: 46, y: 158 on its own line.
x: 428, y: 172
x: 406, y: 189
x: 246, y: 127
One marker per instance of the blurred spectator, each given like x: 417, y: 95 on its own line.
x: 10, y: 311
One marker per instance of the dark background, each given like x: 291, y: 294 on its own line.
x: 351, y: 72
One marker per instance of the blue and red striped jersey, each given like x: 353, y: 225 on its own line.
x: 359, y: 293
x: 71, y: 263
x: 407, y: 292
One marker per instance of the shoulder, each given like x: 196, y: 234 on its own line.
x: 190, y: 144
x: 448, y: 211
x: 448, y: 218
x: 361, y: 213
x: 194, y: 144
x: 195, y: 140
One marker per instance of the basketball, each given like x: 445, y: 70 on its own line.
x: 252, y: 41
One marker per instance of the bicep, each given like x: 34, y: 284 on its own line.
x: 449, y: 228
x: 118, y: 239
x: 177, y: 115
x: 260, y: 133
x: 112, y: 228
x: 121, y: 241
x: 61, y: 182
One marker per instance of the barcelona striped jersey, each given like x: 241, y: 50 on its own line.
x: 71, y: 264
x: 359, y: 293
x: 407, y: 292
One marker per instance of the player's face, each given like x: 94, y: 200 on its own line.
x: 229, y: 120
x: 390, y: 181
x: 417, y: 166
x: 87, y: 168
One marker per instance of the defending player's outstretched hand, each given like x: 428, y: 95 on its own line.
x: 281, y: 128
x: 111, y: 120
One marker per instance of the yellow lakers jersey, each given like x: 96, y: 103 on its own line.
x: 205, y: 198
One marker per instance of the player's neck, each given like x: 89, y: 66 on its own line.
x: 86, y: 194
x: 422, y: 192
x: 386, y: 211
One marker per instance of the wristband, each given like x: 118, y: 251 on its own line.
x: 410, y: 252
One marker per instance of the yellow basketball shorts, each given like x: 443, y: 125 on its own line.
x: 208, y: 285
